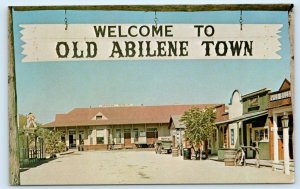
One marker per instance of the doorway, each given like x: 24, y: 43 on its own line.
x: 127, y: 137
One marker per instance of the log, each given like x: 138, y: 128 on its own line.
x: 14, y: 155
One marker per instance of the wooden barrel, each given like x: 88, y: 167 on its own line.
x: 174, y: 152
x: 229, y: 157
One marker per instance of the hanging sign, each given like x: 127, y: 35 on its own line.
x: 52, y: 42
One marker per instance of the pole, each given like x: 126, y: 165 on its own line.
x: 286, y: 149
x: 14, y: 154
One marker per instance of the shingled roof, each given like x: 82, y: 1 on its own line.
x: 121, y: 115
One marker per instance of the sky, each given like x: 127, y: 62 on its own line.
x: 48, y: 88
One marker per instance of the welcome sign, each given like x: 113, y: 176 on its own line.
x: 60, y: 42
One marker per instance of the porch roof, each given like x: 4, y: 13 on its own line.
x: 121, y: 115
x: 176, y: 121
x: 244, y: 117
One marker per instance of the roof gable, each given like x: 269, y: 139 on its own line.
x: 286, y: 85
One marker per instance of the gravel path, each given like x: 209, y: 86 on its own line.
x: 143, y: 167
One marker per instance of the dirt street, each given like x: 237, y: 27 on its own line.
x: 143, y: 167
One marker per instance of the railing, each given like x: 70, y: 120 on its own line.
x: 31, y: 155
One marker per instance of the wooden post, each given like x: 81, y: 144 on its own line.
x: 257, y: 157
x: 292, y: 66
x: 14, y: 155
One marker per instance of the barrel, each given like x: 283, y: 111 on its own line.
x: 186, y: 153
x: 174, y: 152
x: 229, y: 157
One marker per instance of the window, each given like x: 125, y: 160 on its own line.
x: 261, y: 134
x: 98, y: 117
x: 126, y: 130
x: 118, y: 135
x: 151, y: 129
x: 232, y: 136
x: 136, y: 135
x: 142, y: 133
x: 240, y: 136
x: 91, y: 137
x: 253, y: 102
x: 100, y: 136
x: 81, y: 137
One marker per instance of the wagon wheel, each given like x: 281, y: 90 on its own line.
x: 159, y: 149
x: 238, y: 157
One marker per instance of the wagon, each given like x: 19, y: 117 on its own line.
x: 162, y: 146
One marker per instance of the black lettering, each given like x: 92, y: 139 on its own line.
x: 129, y: 46
x: 207, y: 48
x: 75, y: 50
x: 129, y: 31
x: 116, y: 49
x: 183, y: 46
x: 157, y: 31
x: 236, y: 47
x: 100, y: 31
x: 217, y: 48
x: 172, y: 48
x: 112, y: 31
x: 147, y: 31
x: 198, y: 29
x: 168, y: 32
x: 161, y: 48
x: 141, y: 48
x: 212, y: 30
x: 89, y: 54
x: 248, y: 48
x: 58, y: 49
x: 148, y: 49
x: 120, y: 32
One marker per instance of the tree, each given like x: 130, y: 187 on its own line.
x: 199, y: 127
x: 52, y: 140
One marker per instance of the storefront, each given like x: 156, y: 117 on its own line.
x: 105, y: 128
x: 280, y: 111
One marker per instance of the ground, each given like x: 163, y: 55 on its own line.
x: 143, y: 167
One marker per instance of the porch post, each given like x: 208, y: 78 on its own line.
x: 242, y: 133
x: 286, y: 145
x: 217, y: 137
x: 275, y: 138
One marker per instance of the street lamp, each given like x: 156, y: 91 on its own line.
x: 285, y: 125
x: 285, y: 121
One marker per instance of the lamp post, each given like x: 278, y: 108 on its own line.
x: 285, y: 125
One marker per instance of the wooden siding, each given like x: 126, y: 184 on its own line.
x: 263, y: 101
x: 280, y: 102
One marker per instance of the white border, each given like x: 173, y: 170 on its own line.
x: 3, y: 80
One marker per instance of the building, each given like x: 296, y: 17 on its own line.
x: 122, y: 126
x: 229, y: 130
x: 280, y: 105
x: 247, y: 124
x: 177, y: 129
x: 255, y: 123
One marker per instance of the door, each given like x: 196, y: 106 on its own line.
x: 249, y: 153
x: 71, y: 141
x: 151, y: 135
x: 127, y: 137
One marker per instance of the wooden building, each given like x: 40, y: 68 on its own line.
x: 104, y: 128
x: 247, y: 124
x: 280, y: 104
